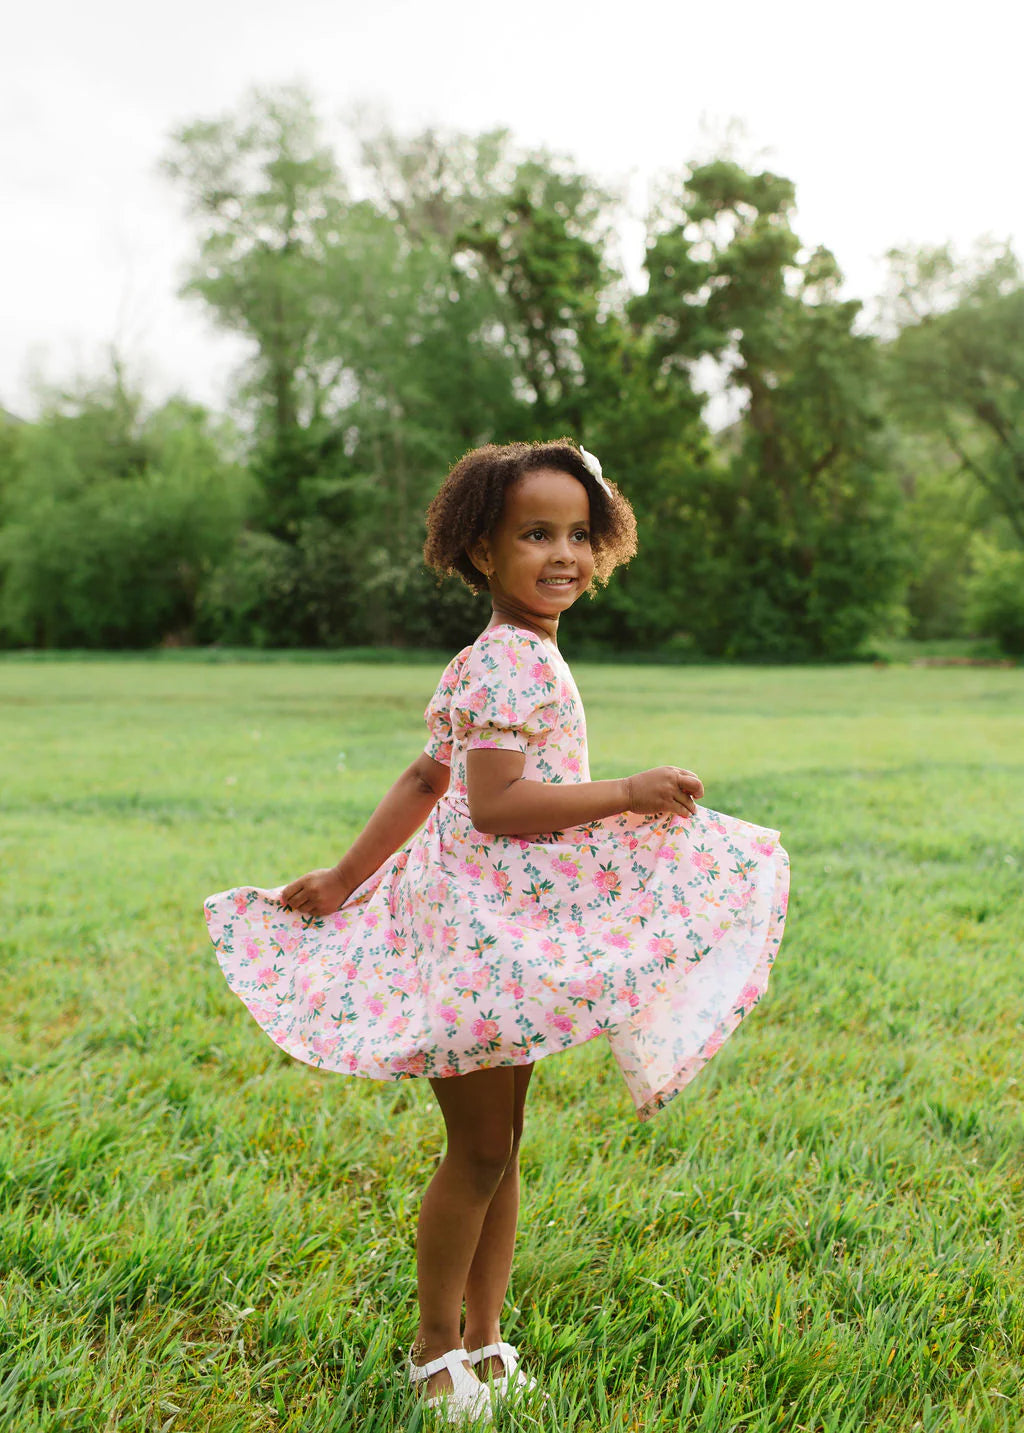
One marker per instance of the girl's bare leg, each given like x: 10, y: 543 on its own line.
x: 491, y: 1268
x: 479, y: 1112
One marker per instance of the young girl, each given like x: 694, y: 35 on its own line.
x: 500, y: 906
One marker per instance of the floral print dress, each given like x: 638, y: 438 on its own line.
x: 465, y: 950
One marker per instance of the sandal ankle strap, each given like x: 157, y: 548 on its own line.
x: 450, y: 1360
x: 504, y: 1351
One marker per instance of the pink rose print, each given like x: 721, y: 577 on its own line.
x: 485, y: 1029
x: 397, y: 1024
x: 562, y: 1022
x: 607, y: 882
x: 765, y: 848
x: 252, y: 950
x: 619, y: 941
x: 241, y: 904
x: 749, y: 995
x: 660, y: 945
x: 703, y: 860
x: 317, y: 1000
x: 539, y: 672
x: 590, y: 989
x: 374, y: 1007
x: 513, y: 988
x: 267, y: 975
x: 713, y: 1044
x: 350, y: 971
x: 476, y: 977
x: 500, y: 879
x: 447, y: 1014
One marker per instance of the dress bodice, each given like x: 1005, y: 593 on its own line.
x: 509, y: 691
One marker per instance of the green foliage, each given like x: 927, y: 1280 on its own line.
x: 319, y: 591
x: 112, y: 521
x: 471, y: 294
x: 995, y: 594
x: 824, y: 1231
x: 957, y: 365
x: 793, y: 527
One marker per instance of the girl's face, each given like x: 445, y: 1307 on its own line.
x: 538, y: 559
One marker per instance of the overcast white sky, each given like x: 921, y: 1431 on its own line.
x: 899, y: 122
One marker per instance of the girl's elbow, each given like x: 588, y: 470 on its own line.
x: 483, y: 819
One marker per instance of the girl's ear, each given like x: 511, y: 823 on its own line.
x: 480, y: 556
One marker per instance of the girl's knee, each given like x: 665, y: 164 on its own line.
x: 484, y: 1156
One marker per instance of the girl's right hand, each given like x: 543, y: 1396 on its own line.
x: 664, y: 789
x: 317, y: 893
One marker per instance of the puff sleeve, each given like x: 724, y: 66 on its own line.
x: 438, y: 716
x: 508, y: 696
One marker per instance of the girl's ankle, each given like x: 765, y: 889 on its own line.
x: 474, y: 1339
x: 425, y: 1350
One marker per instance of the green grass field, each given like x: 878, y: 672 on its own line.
x: 823, y: 1233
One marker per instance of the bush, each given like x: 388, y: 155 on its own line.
x: 995, y: 594
x: 97, y: 551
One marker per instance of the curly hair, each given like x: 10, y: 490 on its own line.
x: 470, y: 501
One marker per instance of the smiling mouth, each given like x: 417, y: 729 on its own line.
x: 557, y: 581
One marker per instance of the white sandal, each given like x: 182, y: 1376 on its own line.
x: 467, y: 1397
x: 513, y: 1380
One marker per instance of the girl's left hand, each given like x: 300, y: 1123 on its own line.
x: 317, y: 893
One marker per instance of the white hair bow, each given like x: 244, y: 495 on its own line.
x: 593, y: 467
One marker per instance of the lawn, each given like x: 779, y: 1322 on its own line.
x: 823, y: 1233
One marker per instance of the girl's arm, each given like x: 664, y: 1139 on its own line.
x: 502, y: 803
x: 405, y: 807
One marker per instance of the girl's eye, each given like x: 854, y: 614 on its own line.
x: 581, y: 534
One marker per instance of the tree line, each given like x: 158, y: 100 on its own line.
x: 441, y: 291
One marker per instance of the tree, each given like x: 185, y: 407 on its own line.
x: 793, y: 524
x: 271, y: 202
x: 956, y: 366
